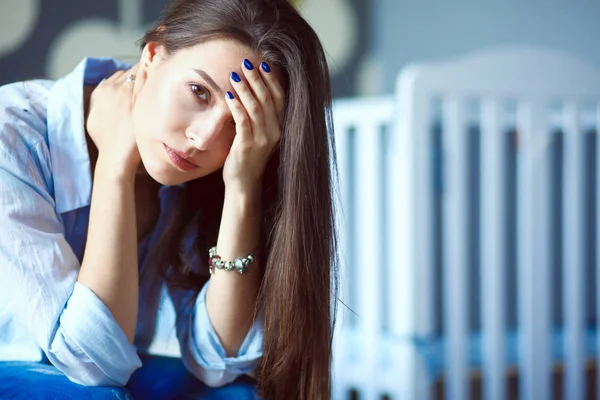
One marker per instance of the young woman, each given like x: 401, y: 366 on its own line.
x: 206, y: 170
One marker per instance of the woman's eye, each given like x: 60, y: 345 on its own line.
x: 199, y: 91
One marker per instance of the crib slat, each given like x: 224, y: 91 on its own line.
x: 493, y: 255
x: 409, y: 241
x: 533, y: 260
x: 455, y: 254
x: 370, y: 247
x: 574, y: 304
x: 357, y: 142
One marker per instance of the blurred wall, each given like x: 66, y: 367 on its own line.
x: 407, y: 30
x: 47, y: 38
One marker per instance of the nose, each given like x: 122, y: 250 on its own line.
x: 203, y: 133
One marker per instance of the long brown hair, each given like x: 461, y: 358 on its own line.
x: 298, y: 239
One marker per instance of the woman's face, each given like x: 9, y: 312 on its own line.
x: 181, y: 108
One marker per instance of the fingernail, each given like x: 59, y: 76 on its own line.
x: 265, y: 67
x: 235, y: 77
x: 230, y: 95
x: 248, y: 64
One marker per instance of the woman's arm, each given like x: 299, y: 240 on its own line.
x: 231, y: 297
x: 257, y: 107
x: 110, y: 263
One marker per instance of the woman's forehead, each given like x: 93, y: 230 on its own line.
x: 220, y: 57
x: 218, y: 53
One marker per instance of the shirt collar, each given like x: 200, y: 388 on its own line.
x: 66, y: 135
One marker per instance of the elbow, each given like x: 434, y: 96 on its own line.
x: 87, y: 344
x: 214, y: 371
x: 82, y: 365
x: 88, y: 372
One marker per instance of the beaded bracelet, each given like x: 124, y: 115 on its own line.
x: 239, y: 264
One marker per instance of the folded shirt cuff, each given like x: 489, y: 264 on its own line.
x: 210, y: 352
x: 89, y: 327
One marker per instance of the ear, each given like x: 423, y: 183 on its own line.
x: 152, y: 54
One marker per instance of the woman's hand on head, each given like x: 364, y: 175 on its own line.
x: 257, y: 106
x: 109, y: 121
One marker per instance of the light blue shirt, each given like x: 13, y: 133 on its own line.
x: 45, y: 192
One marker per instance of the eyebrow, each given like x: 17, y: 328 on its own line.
x: 209, y: 80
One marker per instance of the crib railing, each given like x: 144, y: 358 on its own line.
x: 480, y: 174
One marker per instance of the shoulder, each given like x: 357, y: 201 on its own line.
x: 23, y: 129
x: 23, y: 109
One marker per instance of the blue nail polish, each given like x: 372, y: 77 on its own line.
x: 230, y: 95
x: 235, y: 77
x: 265, y: 67
x: 248, y: 64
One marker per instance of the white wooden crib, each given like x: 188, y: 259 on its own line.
x: 466, y: 207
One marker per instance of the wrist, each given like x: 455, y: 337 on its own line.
x: 243, y: 203
x: 249, y: 193
x: 245, y: 187
x: 117, y: 172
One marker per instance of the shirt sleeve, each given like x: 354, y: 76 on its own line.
x: 201, y: 349
x: 38, y: 271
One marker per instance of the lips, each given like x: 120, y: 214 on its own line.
x: 182, y: 161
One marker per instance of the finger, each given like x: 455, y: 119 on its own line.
x: 277, y: 93
x: 261, y: 93
x: 134, y: 68
x: 247, y: 99
x: 116, y: 77
x: 243, y: 123
x: 120, y: 76
x: 131, y: 75
x: 140, y: 79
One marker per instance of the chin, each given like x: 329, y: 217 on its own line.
x: 163, y: 175
x: 166, y: 180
